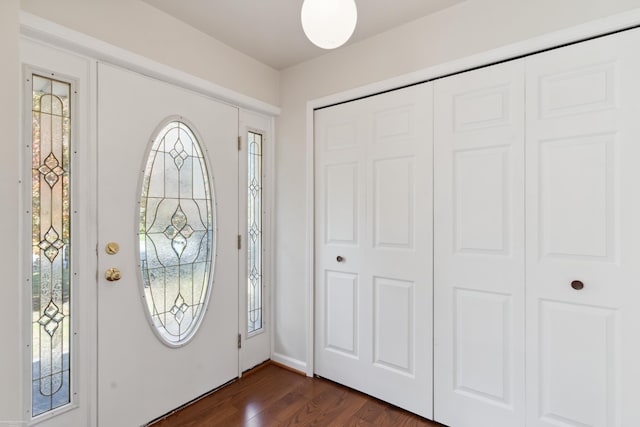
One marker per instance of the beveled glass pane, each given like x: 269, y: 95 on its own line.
x: 170, y: 177
x: 51, y: 244
x: 254, y: 233
x: 41, y: 85
x: 61, y: 90
x: 198, y: 186
x: 176, y: 233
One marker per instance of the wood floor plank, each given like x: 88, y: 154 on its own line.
x: 276, y: 397
x: 284, y: 409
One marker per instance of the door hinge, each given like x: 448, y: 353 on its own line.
x: 239, y: 340
x: 239, y: 241
x: 239, y: 143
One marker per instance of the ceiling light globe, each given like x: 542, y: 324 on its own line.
x: 329, y: 23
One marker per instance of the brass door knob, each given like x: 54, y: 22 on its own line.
x: 112, y: 275
x: 577, y: 285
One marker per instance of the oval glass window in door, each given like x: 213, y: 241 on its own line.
x: 176, y: 233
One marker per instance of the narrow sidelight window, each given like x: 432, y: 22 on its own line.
x: 254, y: 231
x: 51, y: 244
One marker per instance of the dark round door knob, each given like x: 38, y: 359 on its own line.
x: 577, y: 285
x: 339, y: 258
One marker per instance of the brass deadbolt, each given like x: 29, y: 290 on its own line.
x: 112, y: 275
x: 112, y: 248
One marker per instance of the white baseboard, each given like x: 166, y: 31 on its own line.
x: 290, y: 362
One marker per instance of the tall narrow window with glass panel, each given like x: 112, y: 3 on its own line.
x: 51, y: 244
x: 254, y: 233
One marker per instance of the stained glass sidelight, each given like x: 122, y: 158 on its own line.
x: 176, y: 233
x: 51, y: 248
x: 254, y: 231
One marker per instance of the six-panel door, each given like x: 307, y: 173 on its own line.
x: 374, y: 242
x: 536, y: 256
x: 583, y: 252
x: 479, y: 247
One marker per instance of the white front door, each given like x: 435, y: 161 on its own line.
x: 583, y: 256
x: 139, y: 376
x: 373, y: 282
x: 479, y: 248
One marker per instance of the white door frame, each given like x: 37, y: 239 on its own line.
x: 552, y: 40
x: 57, y: 36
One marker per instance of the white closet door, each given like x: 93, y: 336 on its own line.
x: 583, y: 211
x: 479, y: 248
x: 374, y: 246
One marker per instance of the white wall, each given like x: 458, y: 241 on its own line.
x: 10, y: 346
x: 142, y: 29
x: 470, y: 27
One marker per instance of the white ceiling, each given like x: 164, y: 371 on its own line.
x: 270, y: 30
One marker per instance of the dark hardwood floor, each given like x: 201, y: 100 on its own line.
x: 271, y: 396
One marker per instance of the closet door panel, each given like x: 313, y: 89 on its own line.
x: 583, y: 207
x: 373, y: 258
x: 339, y: 232
x: 479, y: 247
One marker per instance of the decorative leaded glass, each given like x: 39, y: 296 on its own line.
x: 254, y: 231
x: 176, y: 233
x: 51, y: 248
